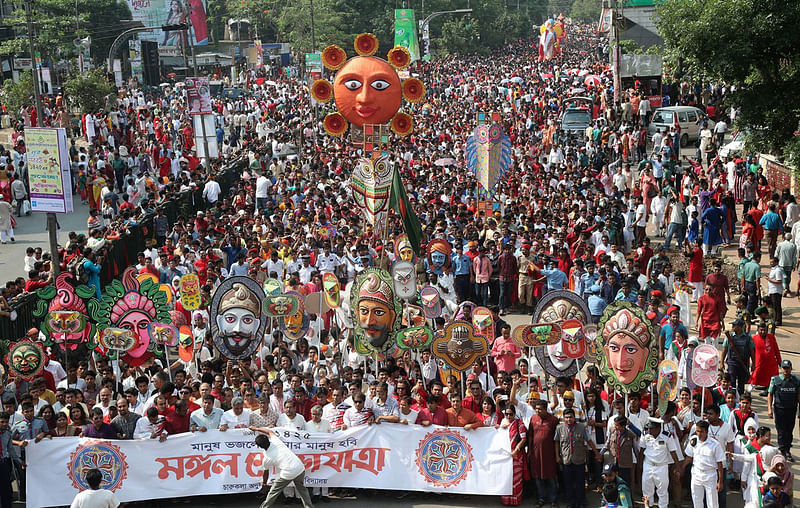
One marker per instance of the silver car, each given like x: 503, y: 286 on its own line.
x: 689, y: 118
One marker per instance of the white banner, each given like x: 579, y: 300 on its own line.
x: 388, y: 456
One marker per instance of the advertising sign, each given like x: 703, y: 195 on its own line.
x: 198, y: 96
x: 405, y: 32
x: 170, y: 12
x: 48, y: 170
x: 314, y: 65
x: 389, y: 456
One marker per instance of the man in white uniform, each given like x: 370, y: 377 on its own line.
x: 707, y: 455
x: 659, y: 452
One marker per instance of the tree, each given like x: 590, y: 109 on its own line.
x: 90, y: 91
x: 751, y: 45
x: 585, y: 10
x: 15, y: 95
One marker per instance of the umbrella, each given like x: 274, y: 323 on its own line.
x: 504, y: 81
x: 447, y: 161
x: 547, y: 75
x: 583, y: 72
x: 592, y: 80
x: 518, y: 80
x: 270, y: 83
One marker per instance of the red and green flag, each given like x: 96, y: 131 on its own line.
x: 398, y: 201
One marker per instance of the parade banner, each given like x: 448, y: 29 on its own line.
x: 387, y: 456
x: 48, y: 170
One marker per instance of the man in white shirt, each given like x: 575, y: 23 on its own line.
x: 273, y: 264
x: 150, y: 427
x: 357, y: 415
x: 707, y: 457
x: 94, y: 496
x: 237, y: 417
x: 334, y: 411
x: 659, y: 452
x: 290, y: 467
x: 290, y: 417
x: 640, y: 222
x: 262, y: 191
x: 211, y: 190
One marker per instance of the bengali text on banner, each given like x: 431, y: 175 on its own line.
x: 387, y: 456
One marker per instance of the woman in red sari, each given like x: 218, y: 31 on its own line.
x: 516, y: 433
x: 768, y: 357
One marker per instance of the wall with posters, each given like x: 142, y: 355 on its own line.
x: 387, y: 456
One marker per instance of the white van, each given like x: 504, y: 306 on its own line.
x: 689, y: 118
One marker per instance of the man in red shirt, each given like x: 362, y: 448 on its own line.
x: 432, y: 414
x: 475, y: 398
x: 708, y: 315
x: 177, y: 418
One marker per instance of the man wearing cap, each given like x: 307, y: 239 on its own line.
x: 738, y: 348
x: 782, y: 401
x: 658, y: 452
x: 707, y: 457
x: 611, y: 477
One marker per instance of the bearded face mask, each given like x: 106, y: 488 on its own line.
x: 238, y: 326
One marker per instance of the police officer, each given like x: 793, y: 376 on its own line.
x: 784, y: 395
x: 659, y: 452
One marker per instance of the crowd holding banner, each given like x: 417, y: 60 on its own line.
x: 356, y: 277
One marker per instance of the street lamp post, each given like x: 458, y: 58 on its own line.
x: 52, y: 224
x: 426, y: 38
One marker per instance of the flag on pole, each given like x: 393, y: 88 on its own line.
x: 398, y: 201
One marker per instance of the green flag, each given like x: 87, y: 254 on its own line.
x: 398, y: 201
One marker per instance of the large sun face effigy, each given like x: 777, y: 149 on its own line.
x: 367, y: 89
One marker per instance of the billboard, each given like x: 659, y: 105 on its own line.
x: 48, y: 170
x: 405, y: 32
x: 170, y: 12
x: 314, y: 65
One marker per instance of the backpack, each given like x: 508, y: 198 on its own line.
x: 78, y: 271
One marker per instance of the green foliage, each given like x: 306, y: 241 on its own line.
x: 89, y: 92
x: 586, y: 10
x: 750, y: 44
x: 459, y: 36
x: 16, y: 95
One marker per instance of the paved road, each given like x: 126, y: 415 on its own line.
x: 31, y: 231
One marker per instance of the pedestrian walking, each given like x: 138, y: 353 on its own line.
x: 782, y: 401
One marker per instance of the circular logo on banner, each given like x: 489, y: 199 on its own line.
x: 102, y: 455
x: 444, y: 458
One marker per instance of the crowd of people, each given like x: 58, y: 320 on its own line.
x: 571, y: 213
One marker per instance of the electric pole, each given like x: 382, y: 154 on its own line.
x: 52, y: 224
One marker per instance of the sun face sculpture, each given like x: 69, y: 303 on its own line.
x: 367, y: 89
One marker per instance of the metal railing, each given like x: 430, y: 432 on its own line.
x: 122, y: 252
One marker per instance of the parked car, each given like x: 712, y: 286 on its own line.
x: 735, y: 146
x: 689, y: 118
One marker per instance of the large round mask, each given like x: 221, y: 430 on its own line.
x: 367, y: 91
x: 25, y: 359
x: 237, y: 326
